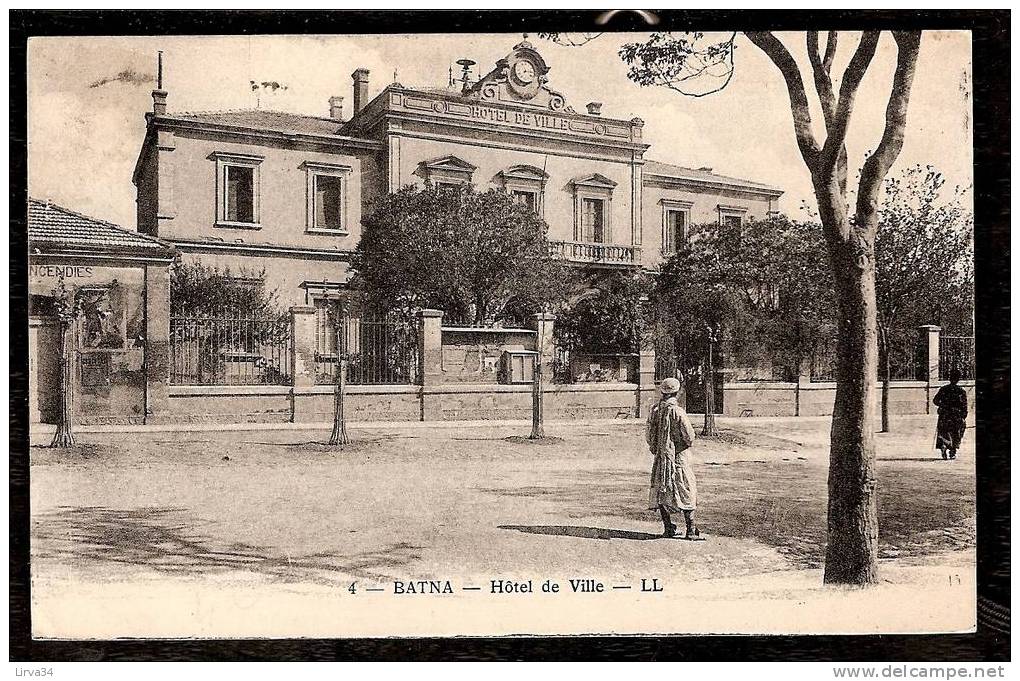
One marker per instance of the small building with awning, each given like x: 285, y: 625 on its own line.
x: 120, y: 336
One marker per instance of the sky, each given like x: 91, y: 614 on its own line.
x: 87, y: 97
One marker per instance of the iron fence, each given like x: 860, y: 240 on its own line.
x: 904, y: 360
x: 379, y: 351
x: 956, y: 352
x: 823, y: 361
x: 230, y: 351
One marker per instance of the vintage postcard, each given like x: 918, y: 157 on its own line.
x: 501, y: 334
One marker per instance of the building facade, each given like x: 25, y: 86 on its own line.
x: 254, y: 189
x: 119, y: 340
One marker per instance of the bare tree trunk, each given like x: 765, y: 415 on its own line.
x: 884, y: 346
x: 537, y: 406
x: 64, y: 437
x: 709, y: 429
x: 851, y: 555
x: 339, y: 437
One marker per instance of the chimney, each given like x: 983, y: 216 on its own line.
x: 594, y: 108
x: 336, y: 108
x: 159, y: 94
x: 360, y: 78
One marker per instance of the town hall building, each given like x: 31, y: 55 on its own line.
x: 255, y: 189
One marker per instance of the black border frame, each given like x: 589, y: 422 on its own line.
x: 991, y: 107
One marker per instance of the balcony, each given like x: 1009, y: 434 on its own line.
x: 609, y: 255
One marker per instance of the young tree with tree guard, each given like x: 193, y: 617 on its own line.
x: 68, y: 309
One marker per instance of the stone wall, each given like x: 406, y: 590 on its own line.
x: 459, y: 380
x: 816, y: 399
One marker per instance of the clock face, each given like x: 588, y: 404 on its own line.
x: 524, y: 71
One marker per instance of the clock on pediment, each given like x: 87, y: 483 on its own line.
x: 524, y: 77
x: 519, y: 78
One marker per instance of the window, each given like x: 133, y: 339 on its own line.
x: 732, y: 216
x: 328, y: 202
x: 675, y: 230
x: 593, y: 197
x: 240, y: 194
x: 237, y: 201
x: 593, y: 223
x: 327, y: 198
x: 527, y: 199
x: 526, y: 185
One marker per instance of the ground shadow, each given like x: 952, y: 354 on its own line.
x: 168, y: 540
x: 920, y: 459
x: 782, y: 505
x: 581, y: 532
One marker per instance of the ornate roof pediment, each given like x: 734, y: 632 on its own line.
x: 520, y: 78
x: 450, y: 163
x: 594, y: 180
x: 525, y: 172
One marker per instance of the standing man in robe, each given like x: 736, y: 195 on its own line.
x: 670, y: 436
x: 951, y: 401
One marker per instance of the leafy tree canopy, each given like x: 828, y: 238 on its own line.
x: 924, y: 256
x: 478, y: 256
x: 197, y: 289
x: 765, y: 287
x: 608, y: 317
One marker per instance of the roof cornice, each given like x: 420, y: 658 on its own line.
x: 171, y: 122
x: 659, y: 178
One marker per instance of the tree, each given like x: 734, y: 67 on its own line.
x: 610, y: 321
x: 922, y: 267
x: 198, y: 290
x: 68, y: 308
x: 762, y: 291
x: 478, y: 256
x: 341, y: 327
x: 667, y: 60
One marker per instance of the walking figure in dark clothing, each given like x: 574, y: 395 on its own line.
x: 951, y: 401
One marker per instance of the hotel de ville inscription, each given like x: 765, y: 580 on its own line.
x: 520, y: 80
x: 521, y: 119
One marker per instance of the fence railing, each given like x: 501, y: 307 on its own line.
x: 904, y: 360
x: 230, y: 351
x: 379, y: 351
x: 956, y: 352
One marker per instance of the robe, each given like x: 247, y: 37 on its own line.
x: 952, y: 403
x: 670, y: 436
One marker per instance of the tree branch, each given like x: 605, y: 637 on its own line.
x: 821, y: 67
x: 823, y: 81
x: 847, y: 93
x: 784, y: 61
x: 877, y: 165
x: 831, y: 42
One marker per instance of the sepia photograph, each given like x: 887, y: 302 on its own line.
x: 361, y: 335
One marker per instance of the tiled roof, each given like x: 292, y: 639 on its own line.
x: 263, y: 119
x: 702, y: 175
x: 51, y: 226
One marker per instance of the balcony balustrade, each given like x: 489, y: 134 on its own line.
x: 597, y: 254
